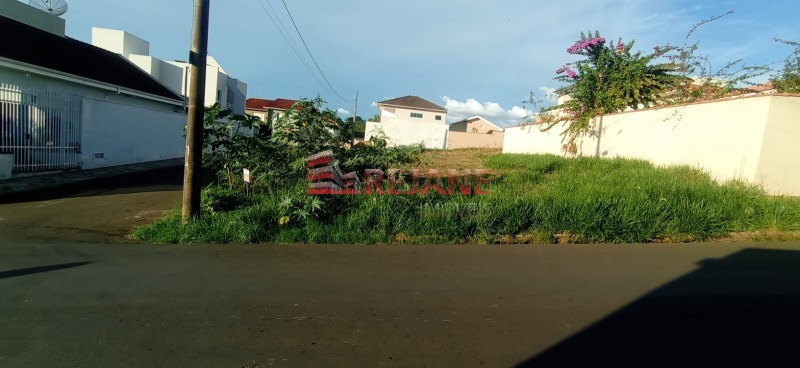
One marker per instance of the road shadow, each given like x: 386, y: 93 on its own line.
x: 158, y: 180
x: 742, y: 309
x: 34, y: 270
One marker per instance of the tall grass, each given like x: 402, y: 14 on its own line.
x: 534, y: 198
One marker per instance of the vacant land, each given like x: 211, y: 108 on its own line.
x: 533, y: 199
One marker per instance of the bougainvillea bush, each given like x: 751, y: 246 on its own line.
x: 610, y: 78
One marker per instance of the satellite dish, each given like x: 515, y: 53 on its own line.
x: 55, y: 7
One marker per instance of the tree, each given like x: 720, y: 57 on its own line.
x: 359, y: 127
x: 609, y: 79
x: 788, y: 79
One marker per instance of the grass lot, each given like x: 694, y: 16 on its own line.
x: 534, y: 199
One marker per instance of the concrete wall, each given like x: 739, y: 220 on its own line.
x: 232, y: 92
x: 389, y: 114
x: 115, y: 134
x: 401, y: 133
x: 32, y: 80
x: 22, y: 12
x: 169, y: 75
x: 474, y: 125
x: 125, y: 129
x: 229, y: 92
x: 779, y: 166
x: 119, y: 42
x: 474, y: 140
x: 6, y: 166
x: 753, y: 139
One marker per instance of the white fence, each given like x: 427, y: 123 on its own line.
x: 752, y: 139
x: 41, y: 129
x: 402, y: 133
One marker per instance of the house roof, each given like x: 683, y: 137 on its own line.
x: 261, y: 104
x: 413, y: 102
x: 766, y: 87
x: 43, y: 49
x: 498, y: 128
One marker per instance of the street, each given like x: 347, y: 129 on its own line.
x: 73, y: 296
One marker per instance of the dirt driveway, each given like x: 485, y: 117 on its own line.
x: 101, y: 211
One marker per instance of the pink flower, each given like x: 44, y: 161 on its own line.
x: 571, y: 73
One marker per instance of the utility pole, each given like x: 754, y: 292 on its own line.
x: 355, y: 115
x: 192, y: 184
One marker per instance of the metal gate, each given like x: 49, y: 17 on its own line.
x: 41, y: 129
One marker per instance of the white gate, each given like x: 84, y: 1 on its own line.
x: 41, y: 129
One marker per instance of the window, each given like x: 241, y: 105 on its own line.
x: 438, y: 117
x: 416, y: 115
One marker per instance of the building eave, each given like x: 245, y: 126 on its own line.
x: 412, y: 108
x: 55, y: 74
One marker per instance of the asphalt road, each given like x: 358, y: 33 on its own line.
x: 87, y: 305
x: 100, y: 211
x: 68, y: 301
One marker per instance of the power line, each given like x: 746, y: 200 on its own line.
x: 309, y: 52
x: 289, y: 41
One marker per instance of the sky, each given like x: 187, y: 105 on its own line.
x: 472, y: 57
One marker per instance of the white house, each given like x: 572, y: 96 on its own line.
x: 410, y: 120
x: 412, y: 108
x: 229, y: 92
x: 65, y: 104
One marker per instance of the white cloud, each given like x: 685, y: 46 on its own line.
x: 342, y: 111
x: 549, y: 93
x: 492, y: 111
x: 374, y: 104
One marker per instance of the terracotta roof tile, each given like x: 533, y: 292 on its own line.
x: 413, y: 102
x: 262, y: 104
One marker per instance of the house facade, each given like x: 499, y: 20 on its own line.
x: 84, y: 108
x: 221, y: 88
x: 268, y: 110
x: 413, y: 109
x: 475, y: 132
x: 410, y: 120
x: 475, y: 124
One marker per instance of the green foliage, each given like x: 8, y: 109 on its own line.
x: 788, y: 79
x: 277, y: 161
x: 538, y: 198
x: 299, y: 207
x: 609, y: 79
x: 216, y: 199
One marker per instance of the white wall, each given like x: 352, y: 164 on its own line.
x: 779, y: 166
x: 125, y: 129
x: 126, y: 134
x: 6, y: 166
x: 119, y: 42
x: 220, y: 87
x: 401, y: 133
x: 753, y: 139
x: 217, y: 80
x: 391, y: 113
x: 528, y: 139
x: 167, y: 74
